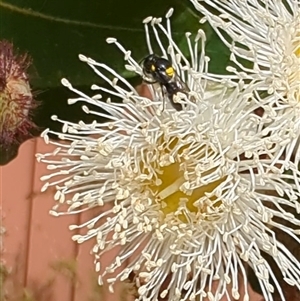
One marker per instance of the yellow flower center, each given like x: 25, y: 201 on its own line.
x: 297, y: 51
x: 170, y: 182
x: 170, y: 194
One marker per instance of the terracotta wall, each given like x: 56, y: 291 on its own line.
x: 39, y: 261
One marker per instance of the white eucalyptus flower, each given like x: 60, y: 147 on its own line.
x: 186, y: 188
x: 266, y: 34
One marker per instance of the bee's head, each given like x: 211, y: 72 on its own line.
x: 158, y: 69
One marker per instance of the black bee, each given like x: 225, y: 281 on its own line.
x: 160, y: 70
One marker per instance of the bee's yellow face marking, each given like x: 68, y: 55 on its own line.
x: 170, y: 71
x: 153, y: 68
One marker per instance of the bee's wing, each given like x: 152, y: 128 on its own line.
x: 180, y: 83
